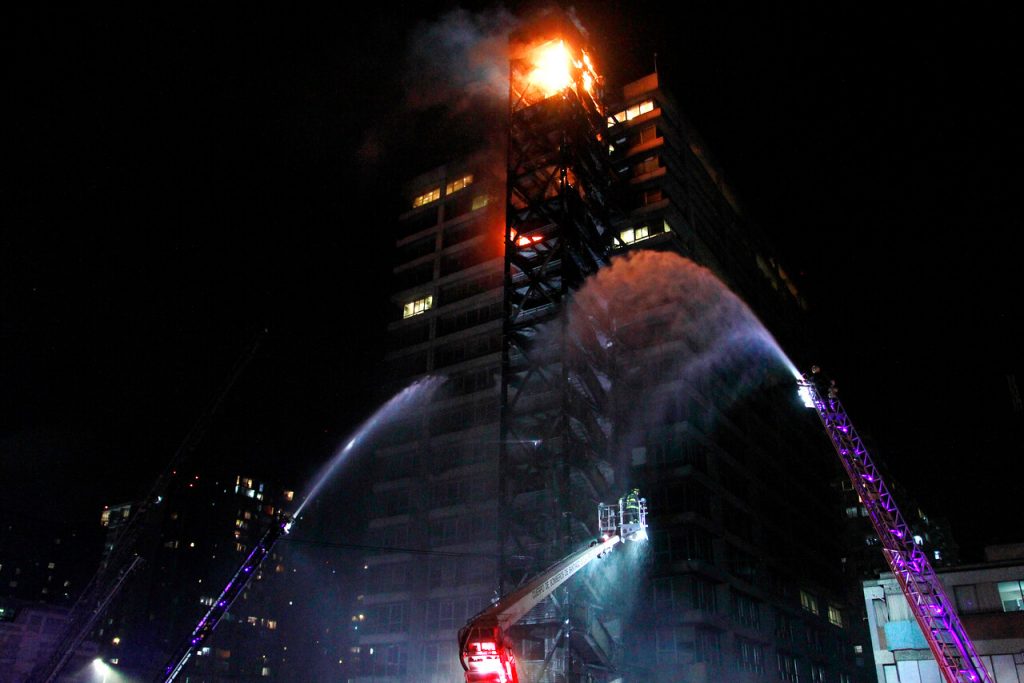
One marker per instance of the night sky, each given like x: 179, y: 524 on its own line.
x: 178, y: 180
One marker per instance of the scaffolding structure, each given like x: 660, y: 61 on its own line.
x: 555, y: 431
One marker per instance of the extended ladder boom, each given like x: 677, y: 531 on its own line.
x: 227, y: 597
x: 483, y: 652
x: 934, y: 611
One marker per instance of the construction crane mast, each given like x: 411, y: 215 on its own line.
x: 934, y: 611
x: 485, y: 651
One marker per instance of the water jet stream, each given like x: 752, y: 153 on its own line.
x: 420, y: 390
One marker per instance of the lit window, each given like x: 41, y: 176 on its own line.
x: 271, y: 624
x: 631, y: 113
x: 289, y: 495
x: 808, y: 602
x: 51, y: 565
x: 480, y: 201
x: 1011, y: 595
x: 418, y: 306
x: 668, y: 228
x: 632, y: 235
x: 105, y: 518
x: 835, y: 616
x: 427, y: 197
x: 456, y: 185
x: 937, y: 554
x: 265, y: 671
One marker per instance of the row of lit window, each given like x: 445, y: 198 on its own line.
x: 810, y: 603
x: 418, y: 306
x: 631, y: 113
x: 627, y: 236
x: 434, y: 194
x: 640, y: 233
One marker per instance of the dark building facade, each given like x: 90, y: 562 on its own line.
x: 206, y: 528
x: 743, y: 580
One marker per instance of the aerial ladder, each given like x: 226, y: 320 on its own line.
x: 236, y: 586
x: 485, y: 650
x: 934, y: 611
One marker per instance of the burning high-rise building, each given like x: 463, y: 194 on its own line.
x: 497, y: 479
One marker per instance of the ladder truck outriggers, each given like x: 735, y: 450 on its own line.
x: 934, y: 611
x: 485, y: 650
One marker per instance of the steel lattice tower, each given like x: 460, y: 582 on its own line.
x: 555, y: 429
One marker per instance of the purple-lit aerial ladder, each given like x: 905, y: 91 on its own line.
x: 934, y: 611
x: 226, y: 598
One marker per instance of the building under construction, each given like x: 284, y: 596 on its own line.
x: 498, y: 478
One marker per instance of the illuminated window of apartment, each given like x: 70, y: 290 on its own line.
x: 265, y: 671
x: 271, y: 624
x: 251, y: 620
x: 808, y: 602
x: 427, y: 197
x: 631, y: 113
x: 418, y: 306
x: 480, y: 201
x: 105, y: 518
x: 1011, y: 595
x: 666, y: 226
x: 835, y: 616
x: 456, y: 185
x: 631, y: 235
x: 289, y: 495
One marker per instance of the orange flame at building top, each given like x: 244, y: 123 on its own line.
x: 552, y: 64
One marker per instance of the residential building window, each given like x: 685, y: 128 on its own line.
x: 418, y: 306
x: 645, y: 134
x: 456, y: 185
x: 708, y: 646
x: 480, y: 201
x: 671, y: 647
x: 809, y: 602
x: 648, y: 165
x: 966, y: 598
x: 632, y: 235
x: 436, y: 658
x: 787, y: 668
x: 745, y: 610
x: 651, y: 196
x: 631, y: 113
x: 1011, y: 595
x: 391, y: 660
x: 835, y: 616
x: 817, y: 673
x: 750, y: 655
x: 427, y: 197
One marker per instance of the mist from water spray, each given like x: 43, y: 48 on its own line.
x: 704, y: 335
x: 416, y: 393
